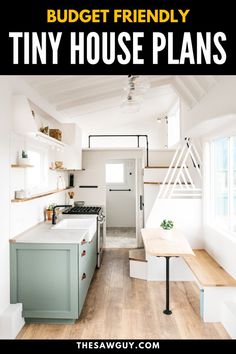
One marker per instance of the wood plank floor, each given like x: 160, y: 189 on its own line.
x: 118, y: 307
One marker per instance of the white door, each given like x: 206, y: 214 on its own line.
x: 121, y: 193
x: 139, y: 201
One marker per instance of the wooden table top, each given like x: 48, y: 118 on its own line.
x: 157, y: 246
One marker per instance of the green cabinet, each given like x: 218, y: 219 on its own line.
x: 51, y: 280
x: 87, y: 264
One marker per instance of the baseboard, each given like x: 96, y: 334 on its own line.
x: 11, y: 321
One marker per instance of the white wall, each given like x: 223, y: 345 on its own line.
x: 157, y: 134
x: 28, y: 214
x: 186, y: 215
x: 160, y: 157
x: 174, y: 125
x: 221, y: 247
x: 5, y: 119
x: 19, y: 175
x: 120, y: 206
x: 94, y: 164
x: 218, y: 102
x: 15, y: 218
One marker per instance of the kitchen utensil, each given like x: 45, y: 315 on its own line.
x: 71, y: 195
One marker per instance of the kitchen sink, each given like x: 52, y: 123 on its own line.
x: 77, y: 224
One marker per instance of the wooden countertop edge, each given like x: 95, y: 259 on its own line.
x: 40, y: 195
x: 169, y: 254
x: 156, y: 254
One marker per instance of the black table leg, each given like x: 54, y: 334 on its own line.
x: 167, y: 311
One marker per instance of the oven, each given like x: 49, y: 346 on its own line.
x: 92, y: 210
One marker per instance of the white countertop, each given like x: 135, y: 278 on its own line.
x: 42, y: 233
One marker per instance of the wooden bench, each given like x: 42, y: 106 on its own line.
x: 207, y: 271
x: 216, y: 285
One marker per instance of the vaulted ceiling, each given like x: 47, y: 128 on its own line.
x: 94, y: 101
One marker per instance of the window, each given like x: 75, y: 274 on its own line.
x: 115, y: 173
x: 36, y: 177
x: 224, y: 182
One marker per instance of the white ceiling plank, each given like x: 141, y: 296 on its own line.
x: 185, y: 90
x: 97, y: 92
x: 155, y: 105
x: 94, y: 102
x: 88, y: 91
x: 81, y: 84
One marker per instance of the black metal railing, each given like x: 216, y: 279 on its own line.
x: 138, y: 136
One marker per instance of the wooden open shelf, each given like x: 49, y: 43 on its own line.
x: 148, y: 167
x: 161, y: 183
x: 36, y: 196
x: 66, y: 169
x: 21, y: 166
x: 49, y: 140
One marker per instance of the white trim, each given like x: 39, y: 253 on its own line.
x: 11, y: 321
x: 228, y: 318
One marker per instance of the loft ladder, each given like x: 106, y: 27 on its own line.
x: 178, y: 181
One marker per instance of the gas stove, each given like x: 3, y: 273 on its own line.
x: 83, y: 210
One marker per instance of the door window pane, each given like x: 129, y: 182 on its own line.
x: 114, y: 173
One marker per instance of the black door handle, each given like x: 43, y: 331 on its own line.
x: 141, y: 203
x: 120, y: 190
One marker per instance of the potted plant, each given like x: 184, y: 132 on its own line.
x: 49, y: 211
x: 23, y: 158
x: 167, y: 226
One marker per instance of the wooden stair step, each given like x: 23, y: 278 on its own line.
x: 148, y: 167
x: 161, y: 183
x: 137, y: 255
x: 207, y: 271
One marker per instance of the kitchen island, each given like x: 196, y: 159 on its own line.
x: 51, y: 271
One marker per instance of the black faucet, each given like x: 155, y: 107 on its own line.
x: 54, y: 217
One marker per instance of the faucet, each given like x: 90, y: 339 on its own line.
x: 54, y: 217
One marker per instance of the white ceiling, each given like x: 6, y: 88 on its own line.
x: 93, y: 102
